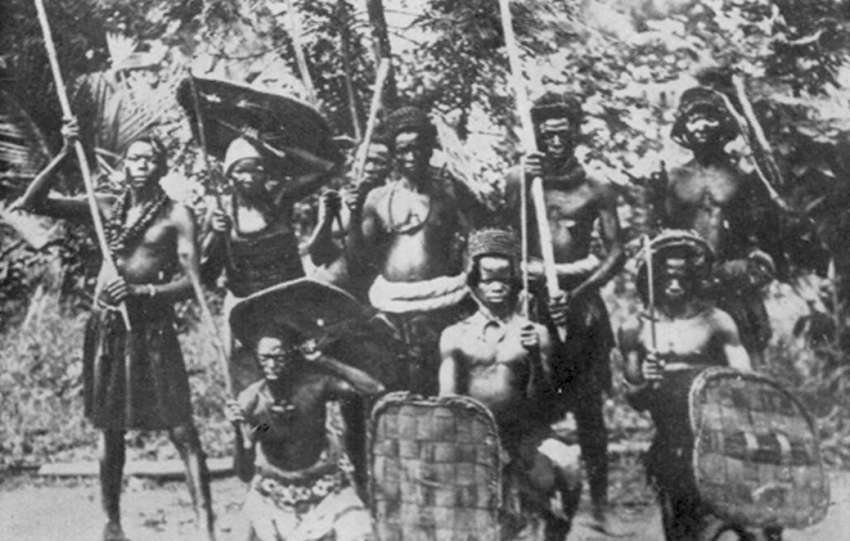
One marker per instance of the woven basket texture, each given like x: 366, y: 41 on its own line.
x: 756, y: 453
x: 435, y: 469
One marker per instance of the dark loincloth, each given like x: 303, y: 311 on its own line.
x: 135, y: 380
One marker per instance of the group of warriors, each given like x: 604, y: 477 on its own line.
x: 440, y: 280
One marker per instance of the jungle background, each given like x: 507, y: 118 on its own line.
x: 629, y: 61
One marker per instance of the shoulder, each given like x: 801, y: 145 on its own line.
x: 604, y: 191
x: 249, y: 398
x: 376, y: 195
x: 720, y: 320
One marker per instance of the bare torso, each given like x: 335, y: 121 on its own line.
x: 702, y: 198
x: 416, y: 233
x: 692, y: 340
x: 495, y: 368
x: 291, y: 435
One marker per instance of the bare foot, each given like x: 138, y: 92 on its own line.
x: 113, y: 532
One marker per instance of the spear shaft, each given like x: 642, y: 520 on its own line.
x: 94, y: 207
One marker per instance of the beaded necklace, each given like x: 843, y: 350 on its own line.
x: 121, y: 236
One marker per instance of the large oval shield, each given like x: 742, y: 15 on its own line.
x: 435, y: 469
x: 756, y: 455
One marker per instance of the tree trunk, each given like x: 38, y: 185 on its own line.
x: 381, y: 41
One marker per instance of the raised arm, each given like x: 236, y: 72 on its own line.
x: 538, y: 342
x: 213, y: 252
x: 354, y: 380
x: 37, y: 198
x: 364, y: 231
x: 303, y: 185
x: 610, y: 228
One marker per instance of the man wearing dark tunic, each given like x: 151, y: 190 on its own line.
x: 575, y: 201
x: 252, y: 239
x: 136, y: 379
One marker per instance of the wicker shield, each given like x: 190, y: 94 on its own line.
x: 435, y: 469
x: 756, y: 456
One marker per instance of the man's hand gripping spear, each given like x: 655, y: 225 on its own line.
x: 529, y: 143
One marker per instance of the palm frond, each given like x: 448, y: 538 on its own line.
x: 23, y: 149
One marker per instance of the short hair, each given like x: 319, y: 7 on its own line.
x: 160, y: 153
x: 409, y: 119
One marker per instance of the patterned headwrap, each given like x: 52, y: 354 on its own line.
x: 681, y: 243
x: 492, y: 241
x: 239, y: 149
x: 703, y: 101
x: 409, y: 119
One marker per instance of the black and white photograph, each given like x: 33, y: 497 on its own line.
x: 425, y: 270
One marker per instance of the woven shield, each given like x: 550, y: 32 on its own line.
x: 435, y: 469
x: 756, y: 455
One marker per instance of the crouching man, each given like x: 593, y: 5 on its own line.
x: 502, y: 359
x: 300, y: 477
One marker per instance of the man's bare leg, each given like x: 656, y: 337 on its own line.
x: 185, y: 439
x: 111, y: 457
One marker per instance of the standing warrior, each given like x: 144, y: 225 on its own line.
x: 136, y: 379
x: 300, y: 478
x: 712, y: 196
x: 662, y: 355
x: 502, y: 359
x: 575, y: 201
x: 408, y: 230
x: 261, y: 250
x: 326, y: 251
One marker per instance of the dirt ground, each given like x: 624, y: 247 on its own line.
x: 35, y: 509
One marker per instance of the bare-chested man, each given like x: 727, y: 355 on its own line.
x: 326, y: 246
x: 688, y: 334
x: 502, y: 359
x: 136, y: 379
x: 408, y: 230
x: 575, y: 202
x: 261, y: 250
x: 300, y: 478
x: 730, y: 210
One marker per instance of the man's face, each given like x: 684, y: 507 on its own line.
x: 557, y: 137
x: 377, y: 163
x: 249, y: 175
x: 411, y: 154
x: 496, y: 274
x: 676, y: 282
x: 140, y: 164
x: 276, y: 356
x: 703, y: 129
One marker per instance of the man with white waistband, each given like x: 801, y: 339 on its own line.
x: 410, y: 231
x: 688, y: 333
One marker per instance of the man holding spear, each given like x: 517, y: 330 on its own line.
x: 567, y: 202
x: 135, y: 378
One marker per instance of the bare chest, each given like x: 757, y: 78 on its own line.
x: 708, y: 187
x: 405, y: 212
x: 683, y: 338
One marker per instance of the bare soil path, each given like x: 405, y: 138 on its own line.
x: 32, y: 509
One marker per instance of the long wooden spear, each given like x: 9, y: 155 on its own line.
x: 300, y: 58
x: 97, y: 220
x: 529, y: 142
x: 371, y: 122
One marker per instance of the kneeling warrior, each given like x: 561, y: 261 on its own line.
x: 300, y: 477
x: 663, y: 350
x: 502, y: 359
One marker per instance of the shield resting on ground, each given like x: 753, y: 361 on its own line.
x: 756, y: 454
x: 230, y: 110
x: 435, y: 469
